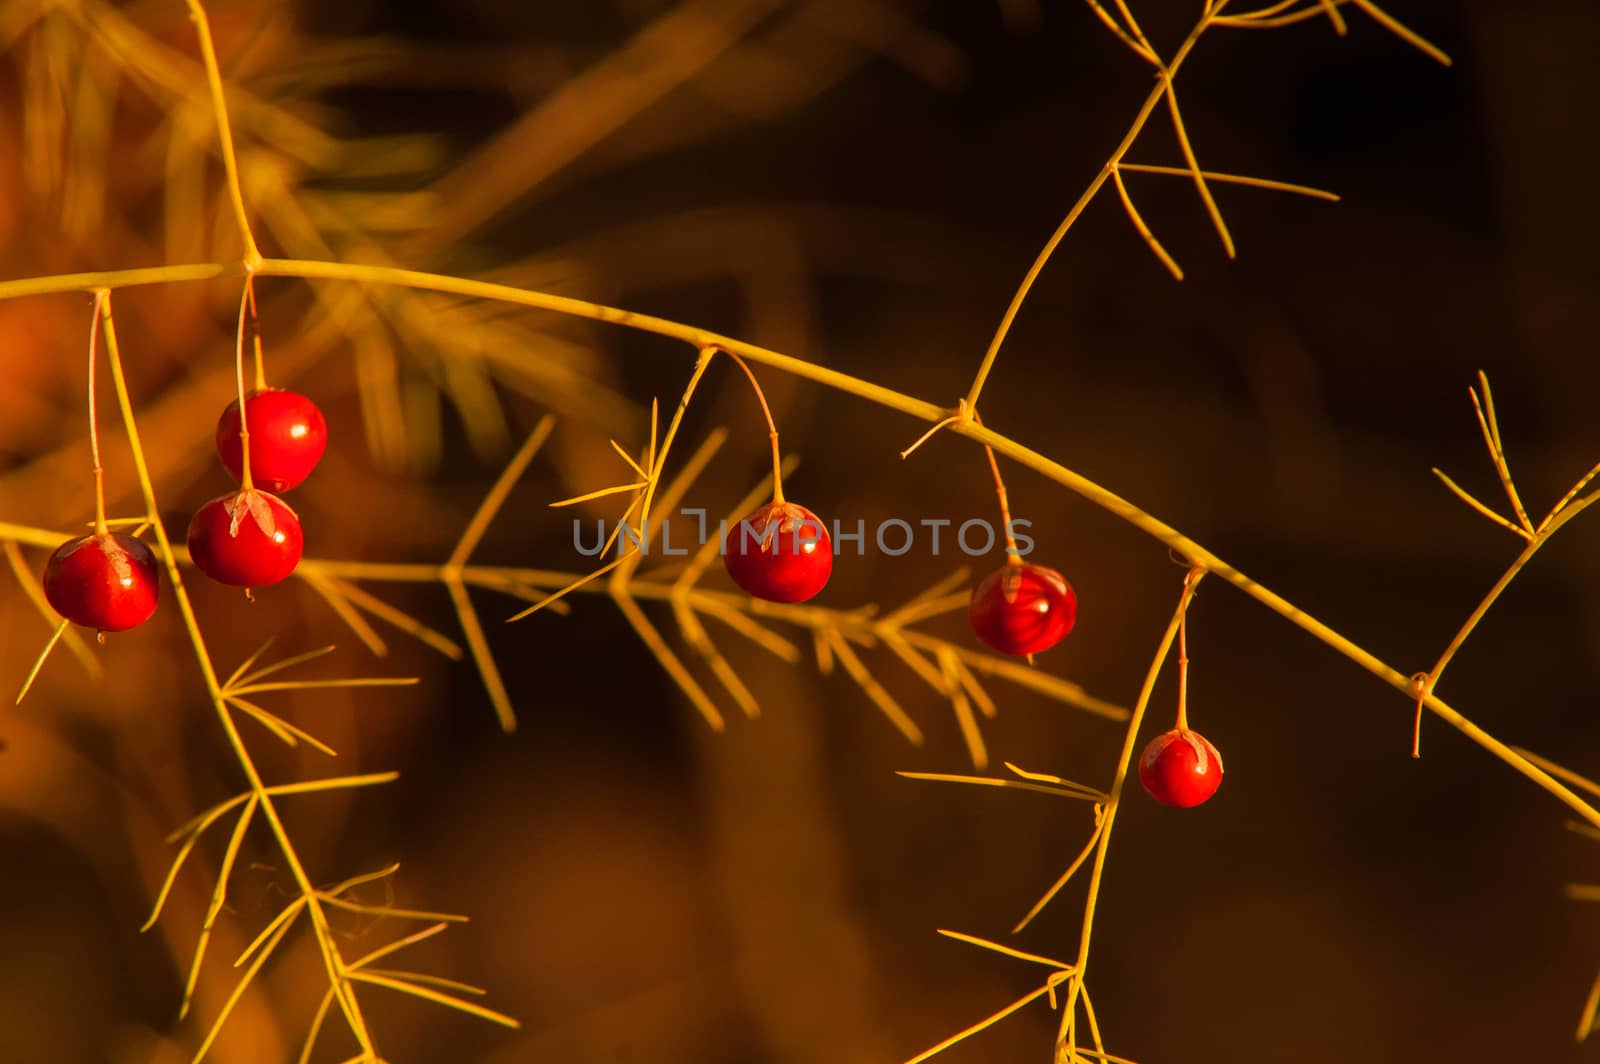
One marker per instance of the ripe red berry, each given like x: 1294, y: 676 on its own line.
x: 246, y: 539
x: 780, y: 553
x: 1180, y: 768
x: 287, y: 438
x: 105, y: 582
x: 1023, y: 609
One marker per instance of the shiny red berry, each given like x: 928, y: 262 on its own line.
x: 287, y: 438
x: 109, y: 583
x: 780, y: 553
x: 246, y: 539
x: 1180, y: 768
x: 1023, y: 609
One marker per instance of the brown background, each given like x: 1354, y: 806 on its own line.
x: 645, y: 890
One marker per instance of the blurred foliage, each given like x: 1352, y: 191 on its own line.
x: 876, y: 173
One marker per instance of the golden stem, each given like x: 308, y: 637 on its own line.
x: 772, y: 428
x: 1013, y: 555
x: 100, y: 528
x: 862, y: 389
x: 1521, y: 560
x: 1139, y: 121
x: 1114, y: 795
x: 219, y: 106
x: 246, y: 481
x: 329, y: 948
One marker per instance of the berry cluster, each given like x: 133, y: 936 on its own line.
x: 782, y: 553
x: 109, y: 581
x: 251, y: 538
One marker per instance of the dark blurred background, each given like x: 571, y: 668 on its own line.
x: 861, y: 184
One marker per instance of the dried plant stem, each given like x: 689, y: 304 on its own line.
x: 772, y: 427
x: 1539, y: 539
x: 260, y: 794
x: 100, y: 528
x: 1114, y: 798
x: 255, y: 338
x: 832, y: 629
x: 1140, y: 119
x: 1183, y: 670
x: 735, y: 609
x: 246, y: 480
x: 219, y: 106
x: 1013, y: 555
x: 862, y: 389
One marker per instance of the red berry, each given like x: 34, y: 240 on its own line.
x: 1023, y: 609
x: 287, y: 438
x: 780, y: 553
x: 1180, y: 768
x: 107, y: 582
x: 246, y: 539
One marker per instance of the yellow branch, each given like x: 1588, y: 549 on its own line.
x: 1140, y: 119
x: 260, y: 793
x: 1114, y: 797
x: 862, y: 389
x: 219, y: 107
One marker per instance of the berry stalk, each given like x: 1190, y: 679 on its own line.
x: 246, y: 302
x: 889, y: 398
x: 1183, y: 666
x: 327, y: 945
x: 772, y: 428
x: 255, y: 334
x: 100, y: 528
x: 1013, y: 555
x: 1114, y: 797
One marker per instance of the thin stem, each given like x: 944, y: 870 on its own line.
x: 1571, y: 494
x: 1497, y: 454
x: 1516, y: 566
x: 1274, y: 9
x: 772, y: 428
x: 1142, y: 228
x: 658, y: 457
x: 89, y: 282
x: 1088, y: 195
x: 982, y: 1024
x: 1401, y: 30
x: 959, y: 415
x: 219, y: 107
x: 1334, y: 17
x: 1140, y: 50
x: 246, y: 482
x: 1114, y: 795
x: 255, y: 334
x: 332, y: 961
x: 1199, y: 175
x: 100, y: 528
x: 1061, y: 881
x: 1134, y: 28
x: 1204, y: 558
x: 44, y: 655
x: 862, y: 389
x: 1013, y: 555
x: 1421, y: 681
x: 1467, y: 497
x: 1233, y: 179
x: 1183, y: 671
